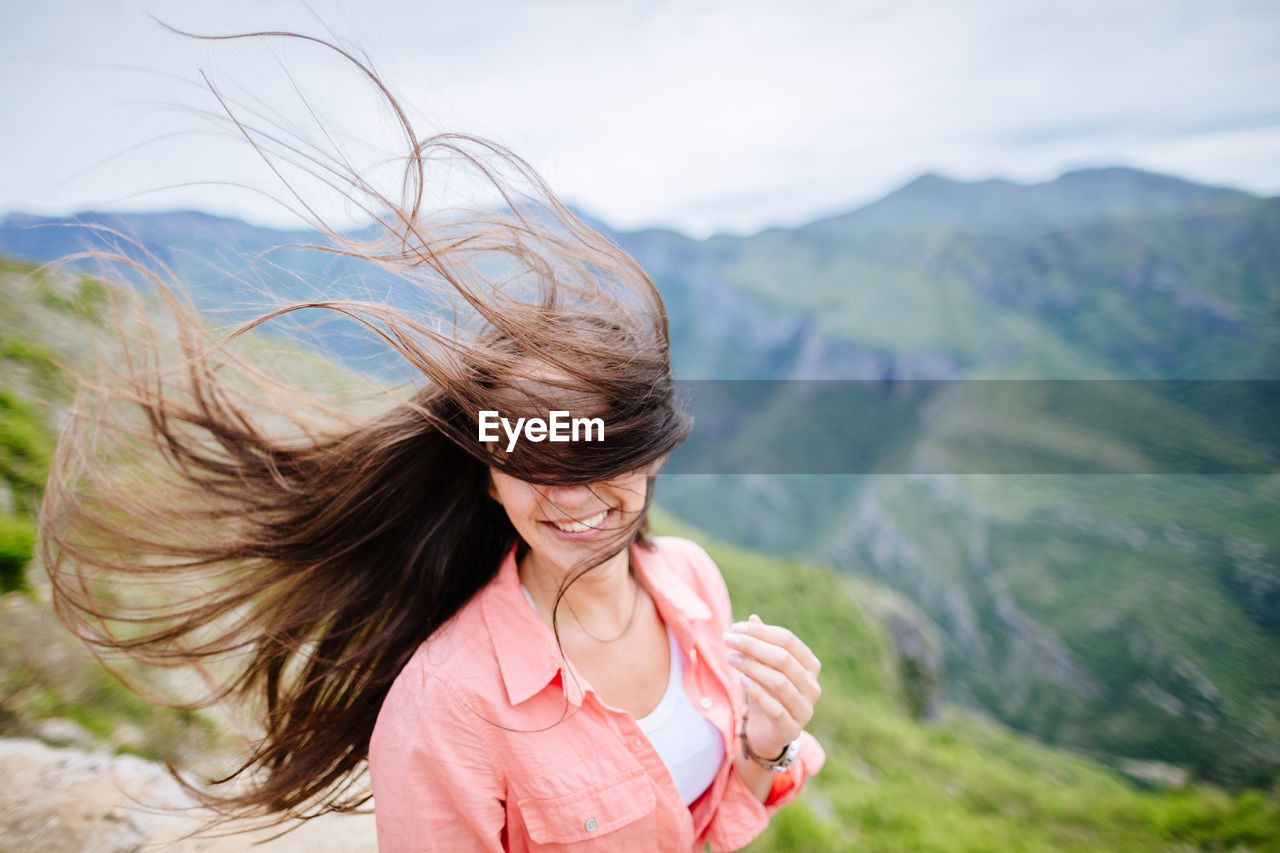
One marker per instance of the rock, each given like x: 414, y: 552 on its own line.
x: 1154, y: 773
x: 59, y: 731
x: 56, y: 800
x: 916, y: 645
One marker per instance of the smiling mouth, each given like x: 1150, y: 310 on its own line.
x: 582, y: 526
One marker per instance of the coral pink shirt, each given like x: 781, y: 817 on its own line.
x: 489, y: 740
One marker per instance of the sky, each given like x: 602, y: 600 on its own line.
x: 699, y: 116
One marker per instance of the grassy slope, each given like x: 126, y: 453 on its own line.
x: 1184, y: 294
x: 961, y: 783
x: 1149, y: 581
x: 864, y: 292
x: 45, y: 674
x: 30, y: 384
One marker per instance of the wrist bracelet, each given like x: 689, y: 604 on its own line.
x: 777, y: 765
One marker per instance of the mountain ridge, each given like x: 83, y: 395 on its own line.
x: 1161, y: 192
x: 1074, y: 196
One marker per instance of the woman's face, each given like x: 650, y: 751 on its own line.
x: 563, y: 524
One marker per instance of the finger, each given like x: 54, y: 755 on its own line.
x: 765, y: 704
x: 779, y: 636
x: 777, y: 658
x: 778, y: 687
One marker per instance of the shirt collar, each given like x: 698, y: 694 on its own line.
x: 678, y: 604
x: 529, y: 658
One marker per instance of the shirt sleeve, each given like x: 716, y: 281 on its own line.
x: 435, y: 787
x: 740, y: 817
x: 786, y: 786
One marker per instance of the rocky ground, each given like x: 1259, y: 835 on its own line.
x: 61, y: 799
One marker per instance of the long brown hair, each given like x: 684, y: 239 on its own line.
x: 201, y: 512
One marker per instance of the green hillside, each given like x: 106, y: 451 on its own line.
x: 1183, y: 293
x: 958, y: 782
x: 30, y: 383
x: 1124, y: 615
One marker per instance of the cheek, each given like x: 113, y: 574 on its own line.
x: 637, y: 490
x: 511, y: 493
x: 521, y: 503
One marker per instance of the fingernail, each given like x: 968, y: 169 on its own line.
x: 734, y: 658
x: 741, y: 627
x: 732, y: 640
x: 746, y: 682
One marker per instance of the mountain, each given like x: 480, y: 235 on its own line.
x: 1086, y: 195
x: 1132, y: 614
x: 1078, y: 278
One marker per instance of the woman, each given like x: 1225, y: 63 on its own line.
x: 620, y: 726
x: 486, y: 621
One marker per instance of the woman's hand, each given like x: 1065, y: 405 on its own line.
x: 780, y: 674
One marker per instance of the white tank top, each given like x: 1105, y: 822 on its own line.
x: 688, y: 743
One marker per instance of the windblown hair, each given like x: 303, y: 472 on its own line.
x: 200, y: 512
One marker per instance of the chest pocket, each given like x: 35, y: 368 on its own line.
x: 604, y: 816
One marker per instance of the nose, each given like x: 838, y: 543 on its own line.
x: 569, y: 498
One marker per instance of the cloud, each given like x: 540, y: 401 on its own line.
x: 701, y: 116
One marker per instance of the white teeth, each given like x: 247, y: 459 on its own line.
x: 581, y: 526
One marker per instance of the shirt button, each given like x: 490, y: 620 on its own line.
x: 590, y: 824
x: 705, y: 703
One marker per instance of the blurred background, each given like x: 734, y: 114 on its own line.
x: 914, y: 198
